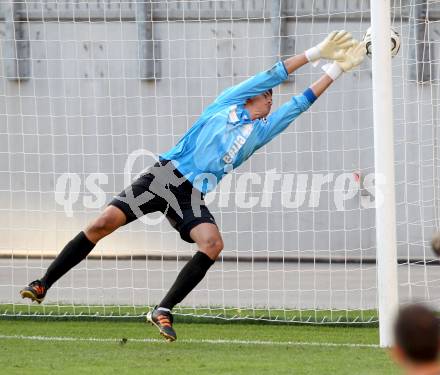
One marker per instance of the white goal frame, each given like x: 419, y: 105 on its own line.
x: 384, y: 167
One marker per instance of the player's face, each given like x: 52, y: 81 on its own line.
x: 262, y: 104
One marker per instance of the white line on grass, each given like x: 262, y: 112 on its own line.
x: 190, y: 341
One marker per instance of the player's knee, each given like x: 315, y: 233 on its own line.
x: 212, y: 246
x: 105, y: 224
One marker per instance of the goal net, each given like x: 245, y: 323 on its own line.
x: 90, y: 91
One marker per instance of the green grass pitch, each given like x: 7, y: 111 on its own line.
x: 97, y: 347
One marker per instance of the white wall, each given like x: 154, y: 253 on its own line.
x: 84, y: 110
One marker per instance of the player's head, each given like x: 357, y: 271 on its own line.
x: 259, y: 106
x: 417, y: 338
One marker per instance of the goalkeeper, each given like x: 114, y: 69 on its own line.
x: 227, y: 133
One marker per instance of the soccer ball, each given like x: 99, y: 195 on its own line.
x: 435, y: 243
x: 395, y: 42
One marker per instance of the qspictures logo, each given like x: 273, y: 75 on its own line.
x: 243, y: 191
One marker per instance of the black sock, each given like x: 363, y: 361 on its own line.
x: 191, y: 274
x: 73, y: 253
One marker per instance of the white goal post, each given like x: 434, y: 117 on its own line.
x: 386, y: 246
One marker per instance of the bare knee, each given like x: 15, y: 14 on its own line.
x: 208, y: 239
x: 101, y: 226
x: 111, y: 219
x: 211, y: 246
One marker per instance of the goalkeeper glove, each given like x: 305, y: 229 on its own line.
x: 350, y: 60
x: 331, y: 48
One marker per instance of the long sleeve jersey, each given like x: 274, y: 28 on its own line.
x: 224, y: 136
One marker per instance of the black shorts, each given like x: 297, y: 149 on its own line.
x: 163, y: 189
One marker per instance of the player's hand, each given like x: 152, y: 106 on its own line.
x: 352, y: 56
x: 332, y: 47
x: 349, y: 60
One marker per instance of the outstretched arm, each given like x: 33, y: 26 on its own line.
x: 322, y: 84
x: 349, y: 60
x: 253, y: 86
x: 281, y: 118
x: 295, y: 62
x: 332, y: 47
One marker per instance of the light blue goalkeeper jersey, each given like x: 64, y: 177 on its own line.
x: 224, y: 136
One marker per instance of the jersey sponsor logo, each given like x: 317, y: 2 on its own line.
x: 233, y: 151
x: 240, y: 140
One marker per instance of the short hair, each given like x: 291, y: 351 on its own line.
x: 270, y: 91
x: 417, y: 333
